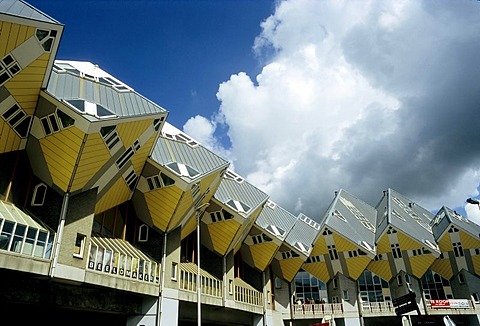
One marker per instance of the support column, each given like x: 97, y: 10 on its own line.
x: 229, y: 276
x: 169, y: 308
x: 348, y: 295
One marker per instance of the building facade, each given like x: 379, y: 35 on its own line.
x: 109, y: 214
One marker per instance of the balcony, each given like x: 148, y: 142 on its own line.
x: 375, y: 309
x: 314, y: 311
x: 118, y: 264
x: 247, y: 297
x: 25, y: 242
x: 210, y: 286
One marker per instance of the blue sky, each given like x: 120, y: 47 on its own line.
x: 175, y: 53
x: 305, y: 97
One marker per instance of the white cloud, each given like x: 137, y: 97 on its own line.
x: 362, y: 96
x: 202, y: 130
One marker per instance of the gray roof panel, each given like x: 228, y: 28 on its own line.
x: 25, y: 10
x: 303, y: 234
x: 352, y: 218
x: 447, y: 216
x: 273, y: 214
x: 243, y: 192
x: 198, y: 157
x: 409, y: 217
x: 67, y: 85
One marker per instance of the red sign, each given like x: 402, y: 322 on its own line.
x: 434, y: 303
x: 452, y: 303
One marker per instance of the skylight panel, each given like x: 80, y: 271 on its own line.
x: 271, y: 204
x: 398, y: 215
x: 310, y: 222
x: 66, y: 67
x: 103, y: 112
x: 301, y: 246
x: 183, y: 170
x: 430, y: 244
x: 90, y: 108
x: 275, y: 230
x: 238, y: 206
x: 339, y: 215
x: 233, y: 176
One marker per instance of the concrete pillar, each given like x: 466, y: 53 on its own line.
x: 228, y: 278
x: 348, y: 295
x: 169, y: 303
x: 149, y: 309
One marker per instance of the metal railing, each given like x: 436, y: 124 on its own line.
x: 377, y: 308
x: 188, y: 281
x: 318, y: 309
x: 247, y: 294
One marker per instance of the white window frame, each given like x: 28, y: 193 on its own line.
x: 80, y: 240
x: 35, y: 193
x: 143, y: 233
x: 174, y: 271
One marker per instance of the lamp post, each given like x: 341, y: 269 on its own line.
x: 473, y: 201
x: 198, y: 211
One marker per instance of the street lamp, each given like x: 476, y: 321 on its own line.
x: 198, y: 211
x: 473, y: 201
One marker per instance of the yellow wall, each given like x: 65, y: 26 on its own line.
x: 262, y: 254
x: 381, y: 268
x: 319, y: 270
x: 61, y: 151
x: 94, y: 155
x: 221, y: 234
x: 162, y: 204
x: 116, y: 195
x: 443, y: 267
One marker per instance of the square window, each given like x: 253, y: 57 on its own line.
x: 79, y: 245
x: 174, y: 271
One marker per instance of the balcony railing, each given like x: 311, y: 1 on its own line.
x: 377, y: 308
x: 317, y: 310
x: 210, y: 285
x: 118, y: 257
x: 22, y: 234
x: 245, y: 293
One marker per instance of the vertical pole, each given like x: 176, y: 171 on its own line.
x: 199, y: 293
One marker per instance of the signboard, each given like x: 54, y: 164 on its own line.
x: 450, y: 304
x: 405, y: 304
x: 459, y: 303
x: 438, y: 304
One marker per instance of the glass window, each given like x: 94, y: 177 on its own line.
x: 6, y: 235
x: 18, y: 237
x: 432, y: 286
x: 79, y: 245
x: 308, y: 286
x: 65, y: 119
x: 174, y: 271
x: 29, y: 241
x: 41, y: 244
x: 371, y: 287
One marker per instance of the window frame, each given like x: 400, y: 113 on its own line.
x: 80, y: 241
x: 33, y: 202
